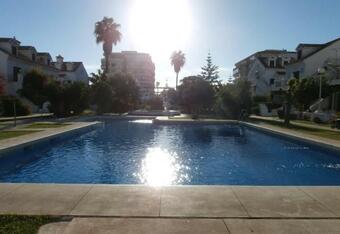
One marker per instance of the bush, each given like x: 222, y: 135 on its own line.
x: 281, y: 115
x: 261, y: 99
x: 8, y: 108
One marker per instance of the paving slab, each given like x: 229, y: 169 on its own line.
x: 120, y: 201
x: 53, y: 228
x: 269, y: 201
x: 6, y: 188
x: 328, y: 196
x: 48, y: 199
x: 200, y: 201
x: 282, y: 226
x: 146, y: 226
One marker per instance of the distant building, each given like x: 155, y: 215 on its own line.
x: 311, y: 57
x: 16, y: 60
x: 265, y: 70
x: 138, y: 65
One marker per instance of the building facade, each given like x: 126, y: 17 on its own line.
x: 265, y: 70
x: 312, y: 57
x: 17, y: 60
x: 138, y: 65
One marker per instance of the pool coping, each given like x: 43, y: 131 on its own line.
x: 44, y: 135
x: 142, y: 201
x: 329, y: 144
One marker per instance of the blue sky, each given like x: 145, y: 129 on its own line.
x: 230, y: 30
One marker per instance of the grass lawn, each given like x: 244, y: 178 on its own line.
x: 10, y: 134
x: 46, y: 125
x: 23, y: 224
x: 329, y: 134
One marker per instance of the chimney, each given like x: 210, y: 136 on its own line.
x: 59, y: 62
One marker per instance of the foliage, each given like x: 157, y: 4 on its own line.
x: 195, y: 94
x: 8, y: 106
x: 96, y: 77
x: 154, y: 103
x: 15, y: 224
x: 177, y: 60
x: 34, y: 87
x: 118, y: 94
x: 70, y: 99
x: 261, y: 99
x: 210, y: 72
x: 306, y: 91
x: 106, y: 32
x: 11, y: 134
x: 171, y: 98
x: 233, y: 98
x: 2, y: 85
x: 126, y: 93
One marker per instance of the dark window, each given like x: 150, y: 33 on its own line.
x: 299, y: 54
x: 16, y: 72
x: 48, y: 62
x: 296, y: 74
x: 271, y: 81
x: 285, y: 62
x: 271, y: 63
x: 14, y: 50
x: 33, y: 57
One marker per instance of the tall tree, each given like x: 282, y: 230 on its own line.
x: 106, y: 32
x: 177, y: 60
x: 210, y: 72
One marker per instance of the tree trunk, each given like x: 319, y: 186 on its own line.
x: 287, y: 113
x: 176, y: 80
x: 106, y: 64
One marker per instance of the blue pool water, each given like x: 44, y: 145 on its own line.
x: 125, y: 152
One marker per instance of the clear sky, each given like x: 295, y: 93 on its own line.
x: 229, y: 29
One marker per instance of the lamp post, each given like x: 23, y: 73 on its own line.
x: 321, y: 72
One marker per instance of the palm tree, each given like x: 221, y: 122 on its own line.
x: 106, y: 32
x: 177, y: 60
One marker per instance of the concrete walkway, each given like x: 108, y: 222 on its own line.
x: 178, y: 209
x: 42, y: 135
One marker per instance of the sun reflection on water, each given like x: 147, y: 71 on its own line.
x: 160, y: 167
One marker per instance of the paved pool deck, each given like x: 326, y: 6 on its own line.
x: 42, y: 134
x: 178, y: 209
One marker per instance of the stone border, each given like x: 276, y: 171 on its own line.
x: 332, y: 145
x: 12, y: 145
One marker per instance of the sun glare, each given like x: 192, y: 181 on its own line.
x: 159, y: 168
x: 159, y: 27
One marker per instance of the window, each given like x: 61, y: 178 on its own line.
x: 271, y: 81
x: 48, y: 62
x: 285, y: 62
x: 296, y: 74
x: 299, y: 55
x: 33, y: 57
x: 14, y: 50
x: 16, y: 73
x: 271, y: 63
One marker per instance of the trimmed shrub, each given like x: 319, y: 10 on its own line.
x: 8, y: 107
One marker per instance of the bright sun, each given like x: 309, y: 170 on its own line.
x: 159, y: 27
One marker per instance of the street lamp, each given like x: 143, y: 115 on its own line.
x: 321, y: 72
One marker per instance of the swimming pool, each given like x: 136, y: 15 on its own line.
x: 139, y: 152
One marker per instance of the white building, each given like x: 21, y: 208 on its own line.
x: 311, y: 57
x: 138, y: 65
x: 266, y: 70
x: 17, y: 60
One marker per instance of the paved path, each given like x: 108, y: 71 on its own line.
x: 44, y: 134
x: 178, y: 209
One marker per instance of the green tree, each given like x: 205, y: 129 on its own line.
x: 210, y: 72
x: 34, y: 87
x: 177, y: 60
x: 195, y: 94
x: 234, y: 97
x: 106, y: 32
x: 126, y: 92
x: 118, y: 93
x: 305, y: 91
x: 70, y: 99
